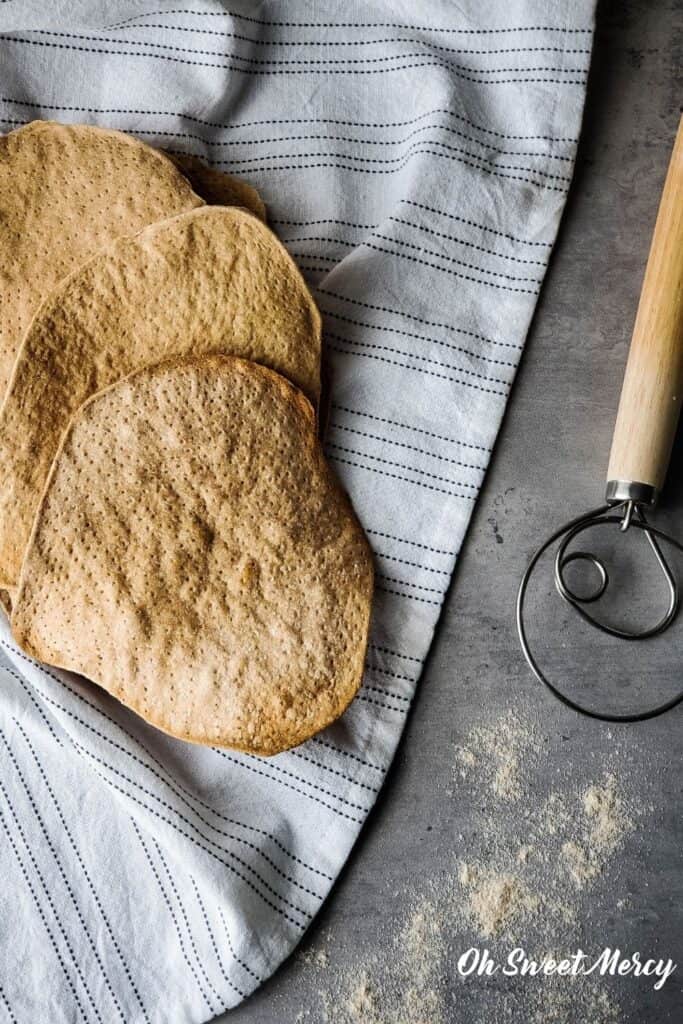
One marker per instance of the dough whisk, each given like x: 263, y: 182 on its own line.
x: 645, y: 428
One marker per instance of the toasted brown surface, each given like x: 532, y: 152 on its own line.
x: 217, y: 187
x: 213, y: 279
x: 65, y: 192
x: 194, y: 555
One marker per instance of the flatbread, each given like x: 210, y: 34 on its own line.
x: 213, y: 279
x: 217, y: 187
x: 194, y: 555
x: 65, y: 192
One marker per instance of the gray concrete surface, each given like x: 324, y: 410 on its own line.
x: 550, y: 461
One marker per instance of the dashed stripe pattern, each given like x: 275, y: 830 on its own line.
x: 161, y: 882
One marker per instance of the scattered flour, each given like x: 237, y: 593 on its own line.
x: 524, y: 874
x: 609, y: 821
x: 572, y: 836
x: 604, y: 826
x: 524, y: 853
x: 495, y: 900
x: 362, y: 1001
x: 316, y: 957
x: 554, y: 817
x: 496, y: 752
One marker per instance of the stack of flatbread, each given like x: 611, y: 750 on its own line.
x: 169, y: 527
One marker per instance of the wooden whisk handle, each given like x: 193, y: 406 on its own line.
x: 651, y: 395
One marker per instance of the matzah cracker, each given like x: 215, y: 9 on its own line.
x: 65, y: 192
x: 194, y: 555
x: 213, y: 279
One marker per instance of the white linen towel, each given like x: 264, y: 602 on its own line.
x: 415, y: 159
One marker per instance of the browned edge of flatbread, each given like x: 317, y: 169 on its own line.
x: 217, y: 187
x: 309, y: 439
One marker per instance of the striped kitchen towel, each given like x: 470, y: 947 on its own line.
x: 415, y: 159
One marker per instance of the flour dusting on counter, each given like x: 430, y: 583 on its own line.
x: 505, y: 884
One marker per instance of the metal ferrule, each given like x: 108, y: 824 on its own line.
x: 619, y: 491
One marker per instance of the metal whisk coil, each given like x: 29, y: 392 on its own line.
x: 626, y: 515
